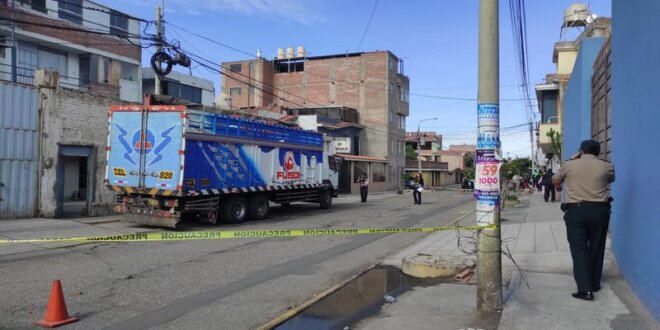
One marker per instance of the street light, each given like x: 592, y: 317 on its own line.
x: 549, y: 118
x: 419, y: 142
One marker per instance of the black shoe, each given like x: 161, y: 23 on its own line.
x: 583, y: 295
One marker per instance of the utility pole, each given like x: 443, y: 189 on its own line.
x: 488, y: 161
x: 14, y: 44
x: 160, y: 31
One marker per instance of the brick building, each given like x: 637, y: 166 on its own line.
x: 370, y: 82
x: 92, y: 47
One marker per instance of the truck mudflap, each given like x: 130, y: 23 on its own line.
x: 147, y: 217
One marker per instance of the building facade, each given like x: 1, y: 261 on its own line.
x: 634, y: 122
x: 92, y: 47
x: 552, y: 93
x: 370, y: 82
x: 182, y: 86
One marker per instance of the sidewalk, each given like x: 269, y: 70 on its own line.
x: 536, y: 237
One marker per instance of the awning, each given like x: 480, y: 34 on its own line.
x: 358, y: 158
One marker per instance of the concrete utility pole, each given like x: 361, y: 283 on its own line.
x: 159, y: 46
x: 419, y: 142
x: 489, y: 260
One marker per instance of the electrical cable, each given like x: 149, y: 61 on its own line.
x: 364, y: 34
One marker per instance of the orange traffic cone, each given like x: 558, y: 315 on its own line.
x: 56, y: 313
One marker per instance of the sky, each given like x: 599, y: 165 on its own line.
x: 437, y: 40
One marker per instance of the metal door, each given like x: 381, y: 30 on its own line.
x: 18, y: 150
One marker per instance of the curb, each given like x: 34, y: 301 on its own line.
x: 297, y: 309
x: 294, y: 311
x: 508, y: 318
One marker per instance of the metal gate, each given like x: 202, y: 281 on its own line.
x: 18, y: 150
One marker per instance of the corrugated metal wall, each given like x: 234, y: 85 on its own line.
x: 18, y: 150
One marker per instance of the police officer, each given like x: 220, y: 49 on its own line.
x: 587, y: 214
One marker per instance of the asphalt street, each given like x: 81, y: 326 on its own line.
x: 219, y: 284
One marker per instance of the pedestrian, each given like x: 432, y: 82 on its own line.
x: 419, y: 187
x: 539, y: 181
x: 586, y: 214
x: 363, y: 180
x: 516, y: 182
x: 547, y: 185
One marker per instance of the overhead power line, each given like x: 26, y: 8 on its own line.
x: 364, y: 34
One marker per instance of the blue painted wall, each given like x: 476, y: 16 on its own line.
x: 635, y: 224
x: 577, y: 99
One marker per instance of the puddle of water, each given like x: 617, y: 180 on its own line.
x: 357, y: 300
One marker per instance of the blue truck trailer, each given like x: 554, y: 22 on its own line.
x: 168, y: 163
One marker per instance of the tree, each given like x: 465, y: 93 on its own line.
x: 468, y: 159
x: 411, y: 154
x: 520, y: 166
x: 468, y: 172
x: 555, y: 140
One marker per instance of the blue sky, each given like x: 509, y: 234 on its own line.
x: 437, y: 39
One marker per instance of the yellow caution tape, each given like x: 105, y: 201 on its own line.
x: 208, y: 235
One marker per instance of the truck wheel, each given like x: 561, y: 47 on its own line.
x: 325, y: 199
x: 234, y: 210
x: 258, y: 207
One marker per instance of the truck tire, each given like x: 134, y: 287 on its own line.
x: 234, y: 210
x: 258, y: 207
x: 325, y: 199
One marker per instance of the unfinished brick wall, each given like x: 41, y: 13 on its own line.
x: 601, y: 105
x: 66, y: 32
x: 76, y: 118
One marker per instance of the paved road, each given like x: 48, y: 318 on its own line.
x: 223, y: 284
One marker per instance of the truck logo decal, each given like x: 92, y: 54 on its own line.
x: 289, y: 163
x: 148, y: 138
x: 149, y: 142
x: 289, y: 166
x: 125, y: 144
x: 166, y: 140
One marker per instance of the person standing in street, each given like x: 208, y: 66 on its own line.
x: 419, y: 187
x: 586, y: 214
x: 547, y: 185
x: 363, y: 180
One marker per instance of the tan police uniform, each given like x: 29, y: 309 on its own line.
x: 587, y: 214
x: 586, y: 179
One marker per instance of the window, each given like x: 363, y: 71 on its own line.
x: 252, y: 90
x: 392, y: 64
x: 253, y: 66
x: 403, y: 94
x: 235, y: 91
x: 402, y: 122
x: 190, y: 93
x: 378, y: 172
x: 332, y: 164
x: 53, y: 60
x: 118, y: 24
x: 38, y: 5
x: 71, y: 10
x: 84, y: 67
x: 359, y: 169
x: 392, y: 88
x: 235, y: 68
x: 549, y: 107
x: 3, y: 46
